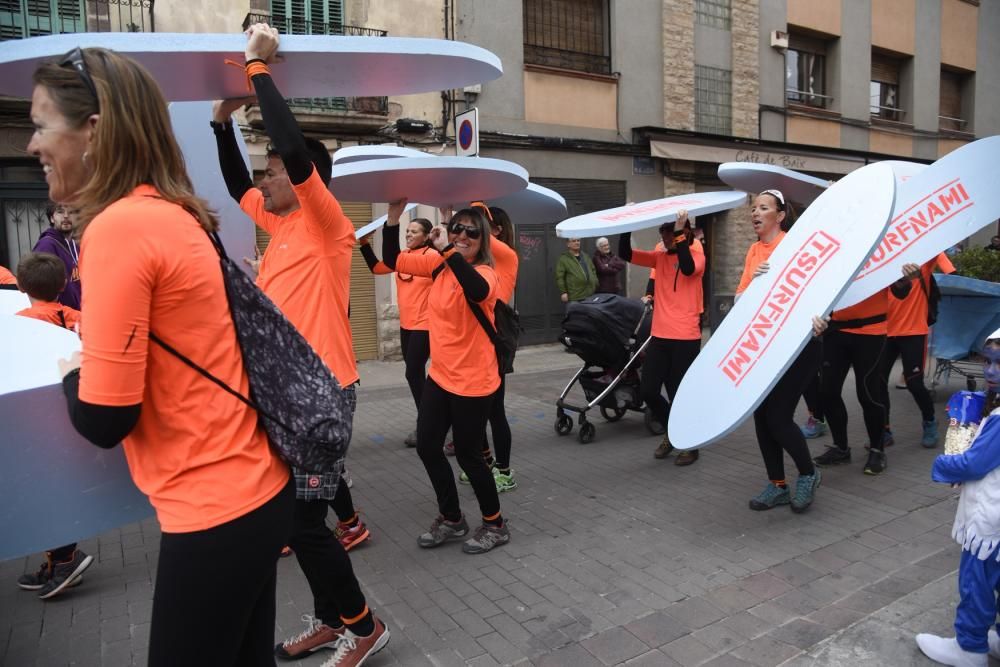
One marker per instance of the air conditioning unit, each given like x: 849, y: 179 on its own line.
x: 779, y: 39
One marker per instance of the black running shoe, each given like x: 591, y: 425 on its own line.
x: 833, y: 456
x: 877, y: 462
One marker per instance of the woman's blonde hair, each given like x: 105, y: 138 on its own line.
x: 133, y: 141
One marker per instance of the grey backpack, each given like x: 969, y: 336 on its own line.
x: 306, y: 413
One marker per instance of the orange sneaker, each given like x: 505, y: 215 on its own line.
x: 351, y: 536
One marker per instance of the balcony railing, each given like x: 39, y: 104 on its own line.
x: 950, y: 123
x: 31, y: 18
x: 378, y: 106
x: 808, y: 98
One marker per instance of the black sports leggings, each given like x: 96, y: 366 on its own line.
x: 335, y: 590
x: 841, y: 352
x: 774, y: 419
x: 466, y: 415
x: 416, y: 345
x: 500, y: 427
x: 813, y: 393
x: 912, y: 350
x: 214, y: 598
x: 665, y: 364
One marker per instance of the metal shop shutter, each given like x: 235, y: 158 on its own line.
x: 364, y: 324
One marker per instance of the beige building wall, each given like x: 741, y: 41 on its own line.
x: 890, y: 143
x: 746, y: 86
x: 958, y: 34
x: 946, y: 146
x: 894, y: 25
x: 820, y: 15
x: 814, y: 131
x: 412, y: 18
x: 220, y: 16
x: 561, y: 99
x: 678, y: 64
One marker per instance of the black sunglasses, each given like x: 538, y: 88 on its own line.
x: 75, y: 60
x: 457, y: 228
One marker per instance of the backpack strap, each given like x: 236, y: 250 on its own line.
x: 477, y: 310
x: 62, y: 319
x: 222, y: 385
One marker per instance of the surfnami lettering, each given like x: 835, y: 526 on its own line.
x: 792, y: 280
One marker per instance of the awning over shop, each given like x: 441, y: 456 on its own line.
x: 799, y: 161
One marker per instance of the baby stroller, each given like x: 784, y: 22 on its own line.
x: 968, y: 311
x: 609, y: 333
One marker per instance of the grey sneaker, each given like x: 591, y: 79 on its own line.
x: 805, y: 489
x: 443, y: 531
x: 64, y: 574
x: 770, y: 497
x: 486, y: 538
x: 833, y: 456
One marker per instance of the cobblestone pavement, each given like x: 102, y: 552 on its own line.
x: 615, y: 558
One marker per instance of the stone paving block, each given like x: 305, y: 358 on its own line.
x: 657, y: 628
x: 687, y: 651
x: 653, y: 658
x: 764, y: 586
x: 835, y: 618
x: 864, y: 601
x: 801, y: 633
x: 615, y: 646
x: 794, y: 573
x: 765, y: 651
x: 570, y: 656
x: 732, y: 598
x: 115, y: 629
x: 694, y: 612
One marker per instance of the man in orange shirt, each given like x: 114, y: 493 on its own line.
x: 908, y: 326
x: 676, y: 330
x: 306, y: 272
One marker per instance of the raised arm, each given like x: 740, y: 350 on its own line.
x: 234, y: 170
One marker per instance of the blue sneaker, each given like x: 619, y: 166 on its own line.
x: 770, y: 497
x: 813, y: 428
x: 805, y: 489
x: 930, y: 438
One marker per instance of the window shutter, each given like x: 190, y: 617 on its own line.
x: 885, y: 70
x: 951, y: 95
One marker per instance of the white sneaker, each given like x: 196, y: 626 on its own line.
x: 947, y: 651
x: 994, y: 639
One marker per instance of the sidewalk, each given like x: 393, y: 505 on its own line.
x: 615, y: 558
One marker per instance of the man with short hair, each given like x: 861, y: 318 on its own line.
x: 58, y: 240
x: 576, y: 277
x: 994, y: 243
x: 306, y: 271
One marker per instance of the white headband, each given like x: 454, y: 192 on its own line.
x: 993, y: 336
x: 776, y: 194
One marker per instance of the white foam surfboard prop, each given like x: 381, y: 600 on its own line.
x: 533, y: 205
x: 12, y: 301
x: 378, y: 222
x: 936, y: 208
x: 755, y: 178
x: 197, y: 143
x: 362, y: 153
x: 442, y: 181
x: 770, y: 324
x: 647, y: 214
x: 191, y: 66
x: 58, y: 488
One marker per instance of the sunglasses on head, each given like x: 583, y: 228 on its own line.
x: 471, y: 231
x: 75, y: 60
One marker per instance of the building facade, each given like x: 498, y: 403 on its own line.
x: 604, y: 101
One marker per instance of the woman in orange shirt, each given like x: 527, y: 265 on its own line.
x: 774, y: 418
x: 463, y: 378
x: 411, y: 293
x: 223, y: 498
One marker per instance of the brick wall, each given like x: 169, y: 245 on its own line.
x: 678, y: 64
x: 746, y: 89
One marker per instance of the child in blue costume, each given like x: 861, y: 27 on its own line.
x: 977, y: 529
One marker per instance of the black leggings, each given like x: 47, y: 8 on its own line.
x: 214, y: 600
x: 335, y: 590
x: 466, y: 415
x: 665, y: 364
x: 342, y: 503
x: 841, y: 352
x: 416, y: 344
x: 912, y: 350
x: 813, y: 393
x: 500, y: 428
x: 774, y: 419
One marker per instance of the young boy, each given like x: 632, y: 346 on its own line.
x: 42, y: 277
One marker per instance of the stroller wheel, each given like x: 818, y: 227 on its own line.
x: 613, y: 414
x: 652, y: 425
x: 587, y: 433
x: 563, y: 424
